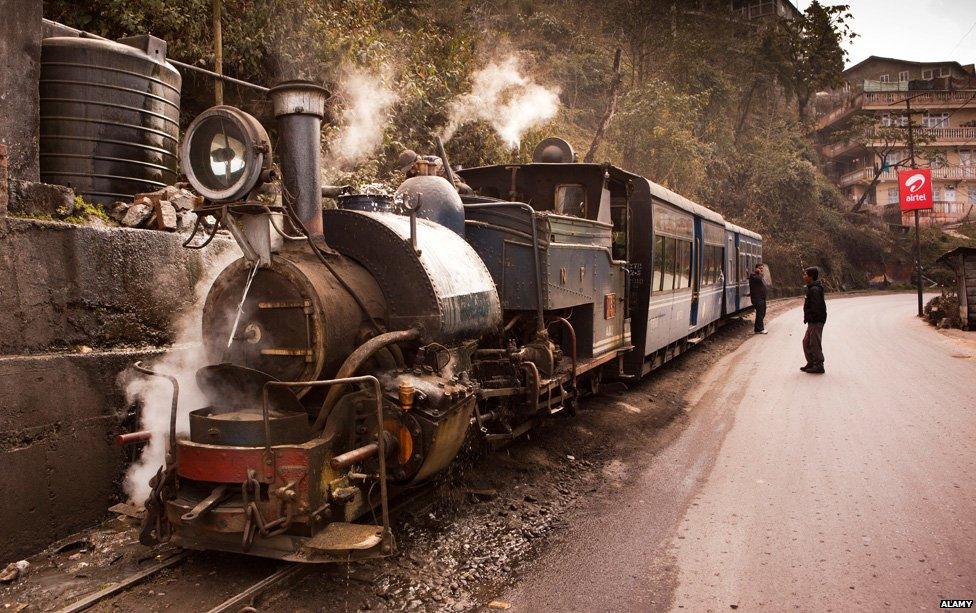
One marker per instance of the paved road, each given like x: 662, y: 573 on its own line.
x: 850, y: 490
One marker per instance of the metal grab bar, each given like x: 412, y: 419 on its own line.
x: 175, y: 404
x: 380, y: 439
x: 539, y: 305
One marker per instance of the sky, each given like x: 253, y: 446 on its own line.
x: 918, y: 30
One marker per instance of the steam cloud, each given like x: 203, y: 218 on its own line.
x: 510, y: 101
x: 155, y: 394
x: 367, y: 99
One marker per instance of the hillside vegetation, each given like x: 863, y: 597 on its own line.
x: 709, y: 106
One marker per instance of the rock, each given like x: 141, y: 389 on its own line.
x: 185, y: 200
x: 185, y: 221
x: 166, y: 217
x: 14, y: 571
x: 500, y: 604
x: 167, y: 193
x: 137, y: 214
x: 117, y: 210
x: 32, y: 199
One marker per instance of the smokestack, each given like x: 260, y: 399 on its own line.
x: 299, y: 107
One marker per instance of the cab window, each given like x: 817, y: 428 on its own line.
x: 570, y: 199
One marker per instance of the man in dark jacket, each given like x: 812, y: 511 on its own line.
x: 814, y: 316
x: 757, y: 291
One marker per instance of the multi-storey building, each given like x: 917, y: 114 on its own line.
x: 764, y: 9
x: 942, y: 99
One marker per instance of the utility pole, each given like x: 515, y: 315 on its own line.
x: 918, y: 242
x: 218, y: 54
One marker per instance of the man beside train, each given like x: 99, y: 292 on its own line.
x: 814, y: 316
x: 757, y: 291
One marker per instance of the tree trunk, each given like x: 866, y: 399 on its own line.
x: 614, y: 97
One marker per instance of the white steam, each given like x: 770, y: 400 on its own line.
x: 154, y: 394
x: 367, y: 98
x: 510, y: 101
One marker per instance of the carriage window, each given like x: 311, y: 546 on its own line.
x: 570, y: 199
x: 669, y: 265
x: 683, y: 275
x: 659, y: 260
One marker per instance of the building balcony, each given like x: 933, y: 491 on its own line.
x: 920, y: 100
x: 864, y: 176
x: 835, y: 150
x: 861, y: 176
x: 893, y: 102
x: 942, y: 213
x: 939, y: 136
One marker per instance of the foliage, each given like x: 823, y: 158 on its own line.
x: 710, y: 105
x: 814, y: 51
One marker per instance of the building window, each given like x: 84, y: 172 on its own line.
x: 950, y: 193
x: 885, y: 78
x: 928, y: 74
x: 972, y: 194
x: 935, y: 120
x: 892, y: 195
x: 894, y: 158
x: 943, y: 72
x: 903, y: 75
x: 937, y: 193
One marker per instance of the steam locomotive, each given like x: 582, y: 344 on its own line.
x: 354, y: 350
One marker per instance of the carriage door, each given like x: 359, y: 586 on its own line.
x: 696, y: 272
x: 737, y: 272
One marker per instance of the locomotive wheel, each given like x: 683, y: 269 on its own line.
x: 591, y: 387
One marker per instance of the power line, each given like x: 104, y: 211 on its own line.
x: 968, y: 32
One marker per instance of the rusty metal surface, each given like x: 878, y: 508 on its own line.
x: 299, y: 107
x: 245, y: 427
x: 445, y: 288
x: 295, y: 304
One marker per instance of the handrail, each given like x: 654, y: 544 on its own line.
x: 175, y: 402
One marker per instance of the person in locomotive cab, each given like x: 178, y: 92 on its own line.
x: 757, y: 290
x: 814, y: 316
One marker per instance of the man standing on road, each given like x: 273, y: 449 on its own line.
x: 814, y: 316
x: 757, y: 290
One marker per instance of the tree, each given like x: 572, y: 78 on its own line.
x: 815, y: 52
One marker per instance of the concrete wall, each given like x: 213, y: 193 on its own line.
x: 77, y: 306
x: 20, y: 69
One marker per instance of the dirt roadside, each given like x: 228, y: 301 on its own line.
x: 495, y: 514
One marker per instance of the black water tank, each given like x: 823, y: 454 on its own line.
x: 109, y: 116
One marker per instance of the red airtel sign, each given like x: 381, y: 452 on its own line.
x: 915, y: 189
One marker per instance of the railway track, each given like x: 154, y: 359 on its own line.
x: 248, y: 598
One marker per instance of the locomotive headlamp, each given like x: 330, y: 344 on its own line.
x: 224, y: 153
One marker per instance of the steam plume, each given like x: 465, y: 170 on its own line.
x: 367, y: 98
x: 510, y: 101
x: 155, y: 394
